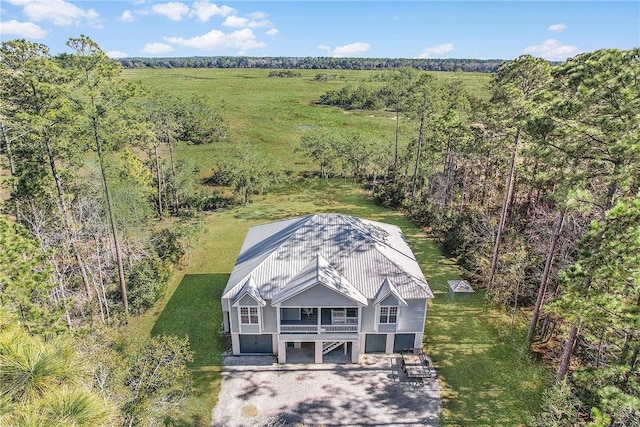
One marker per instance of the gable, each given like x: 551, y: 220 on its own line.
x: 319, y: 295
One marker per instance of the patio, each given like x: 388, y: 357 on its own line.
x: 256, y: 391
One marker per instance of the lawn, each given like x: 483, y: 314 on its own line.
x: 485, y: 379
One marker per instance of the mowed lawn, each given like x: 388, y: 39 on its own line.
x: 484, y: 378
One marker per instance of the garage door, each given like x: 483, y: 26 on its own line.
x: 375, y: 343
x: 403, y: 341
x: 256, y: 344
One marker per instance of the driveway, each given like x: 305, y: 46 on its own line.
x: 256, y: 391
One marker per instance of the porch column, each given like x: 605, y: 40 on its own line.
x: 282, y: 352
x: 363, y: 338
x: 390, y: 339
x: 235, y: 343
x: 417, y: 342
x: 318, y: 353
x: 355, y: 352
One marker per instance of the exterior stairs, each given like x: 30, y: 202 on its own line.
x: 332, y: 345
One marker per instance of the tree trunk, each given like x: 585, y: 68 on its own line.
x: 395, y: 158
x: 415, y: 170
x: 112, y: 219
x: 544, y: 279
x: 566, y: 353
x: 505, y: 207
x: 175, y: 181
x: 159, y: 178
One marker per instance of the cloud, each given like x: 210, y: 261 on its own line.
x: 557, y: 27
x: 28, y: 30
x: 243, y: 40
x: 156, y: 48
x: 117, y: 54
x: 436, y: 51
x: 172, y: 10
x: 59, y: 12
x: 347, y: 50
x: 552, y: 50
x: 204, y: 10
x: 239, y: 22
x: 127, y: 16
x: 273, y: 32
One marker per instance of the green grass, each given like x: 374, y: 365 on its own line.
x: 272, y: 114
x: 484, y: 378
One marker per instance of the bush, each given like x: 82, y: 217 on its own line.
x: 168, y: 246
x: 146, y: 282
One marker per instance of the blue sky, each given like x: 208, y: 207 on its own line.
x: 387, y: 29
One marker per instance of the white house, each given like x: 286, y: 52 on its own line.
x: 328, y: 279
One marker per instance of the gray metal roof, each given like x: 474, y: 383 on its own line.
x: 460, y: 286
x: 365, y: 253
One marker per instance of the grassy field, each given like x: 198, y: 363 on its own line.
x: 272, y: 114
x: 485, y: 380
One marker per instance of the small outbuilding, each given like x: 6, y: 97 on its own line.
x: 459, y: 288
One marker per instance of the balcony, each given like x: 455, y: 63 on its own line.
x: 330, y: 321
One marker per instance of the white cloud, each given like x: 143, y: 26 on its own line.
x: 172, y: 10
x: 239, y: 22
x: 28, y: 30
x: 243, y: 40
x: 59, y: 12
x: 324, y: 47
x: 127, y: 16
x: 204, y: 10
x: 436, y: 51
x: 552, y: 50
x: 557, y: 27
x: 117, y: 54
x: 156, y: 48
x: 353, y: 49
x: 273, y: 32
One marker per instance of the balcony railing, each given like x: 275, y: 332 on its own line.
x: 319, y: 329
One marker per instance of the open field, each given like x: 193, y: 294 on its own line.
x: 484, y: 379
x: 272, y: 113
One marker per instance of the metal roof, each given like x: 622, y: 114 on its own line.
x: 460, y: 286
x: 365, y: 253
x: 318, y: 271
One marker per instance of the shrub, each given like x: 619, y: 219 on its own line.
x: 147, y: 282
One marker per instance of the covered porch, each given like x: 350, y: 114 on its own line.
x: 333, y: 348
x: 318, y: 320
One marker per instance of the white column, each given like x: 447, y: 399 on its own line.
x: 355, y: 352
x: 417, y: 342
x: 318, y: 358
x: 390, y: 339
x: 297, y: 344
x: 282, y: 352
x: 363, y: 340
x: 274, y: 344
x: 235, y: 343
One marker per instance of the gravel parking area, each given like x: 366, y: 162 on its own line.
x: 256, y: 391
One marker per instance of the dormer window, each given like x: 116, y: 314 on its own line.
x: 388, y: 314
x: 249, y: 315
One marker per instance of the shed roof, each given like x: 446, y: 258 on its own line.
x: 365, y: 253
x: 460, y: 286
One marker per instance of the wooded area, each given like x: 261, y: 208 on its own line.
x: 534, y: 190
x: 316, y: 63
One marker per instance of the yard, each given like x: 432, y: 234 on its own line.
x: 485, y: 380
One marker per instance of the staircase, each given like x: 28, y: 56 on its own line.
x: 332, y: 345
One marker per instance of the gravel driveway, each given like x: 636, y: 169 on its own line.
x: 256, y: 391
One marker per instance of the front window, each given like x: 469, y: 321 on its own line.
x: 249, y: 315
x: 388, y: 314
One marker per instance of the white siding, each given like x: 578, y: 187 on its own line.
x: 412, y: 317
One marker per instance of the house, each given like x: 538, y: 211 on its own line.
x: 328, y: 280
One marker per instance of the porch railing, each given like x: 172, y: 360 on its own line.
x: 318, y: 329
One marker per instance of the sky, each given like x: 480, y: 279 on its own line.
x: 477, y: 29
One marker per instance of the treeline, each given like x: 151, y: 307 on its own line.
x: 535, y: 191
x: 315, y: 63
x: 99, y: 214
